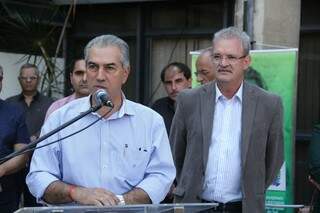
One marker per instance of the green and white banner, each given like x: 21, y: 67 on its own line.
x: 276, y: 70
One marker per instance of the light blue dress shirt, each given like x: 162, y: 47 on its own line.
x: 129, y: 149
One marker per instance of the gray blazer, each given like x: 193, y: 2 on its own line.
x: 261, y: 142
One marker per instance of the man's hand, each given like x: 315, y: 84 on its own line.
x: 2, y: 170
x: 94, y: 196
x: 136, y: 196
x: 14, y: 164
x: 33, y: 138
x: 59, y: 192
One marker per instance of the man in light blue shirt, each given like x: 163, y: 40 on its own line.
x: 125, y: 158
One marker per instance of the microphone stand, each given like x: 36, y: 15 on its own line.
x: 33, y: 144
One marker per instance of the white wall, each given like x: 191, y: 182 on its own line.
x: 11, y: 64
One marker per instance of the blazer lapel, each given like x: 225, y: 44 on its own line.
x: 248, y: 113
x: 207, y: 104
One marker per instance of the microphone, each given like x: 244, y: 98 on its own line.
x: 102, y: 97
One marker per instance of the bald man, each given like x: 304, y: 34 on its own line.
x: 205, y: 67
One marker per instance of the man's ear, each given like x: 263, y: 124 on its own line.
x: 71, y: 79
x: 247, y: 62
x: 126, y: 74
x: 189, y: 82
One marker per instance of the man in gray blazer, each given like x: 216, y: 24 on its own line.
x: 227, y: 136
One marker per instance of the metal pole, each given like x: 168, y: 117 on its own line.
x: 250, y: 9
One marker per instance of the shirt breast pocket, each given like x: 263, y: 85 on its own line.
x: 131, y: 163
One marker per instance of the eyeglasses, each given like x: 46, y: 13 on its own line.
x: 32, y: 78
x: 1, y: 78
x: 230, y: 59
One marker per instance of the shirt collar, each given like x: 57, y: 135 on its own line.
x: 85, y: 105
x: 125, y: 109
x: 35, y: 97
x: 238, y: 94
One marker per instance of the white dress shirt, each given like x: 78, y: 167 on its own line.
x: 223, y: 173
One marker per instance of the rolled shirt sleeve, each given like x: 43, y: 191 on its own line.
x: 160, y: 172
x: 45, y: 164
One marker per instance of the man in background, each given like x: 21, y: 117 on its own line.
x: 205, y: 67
x: 13, y: 136
x: 35, y: 106
x: 79, y: 84
x: 33, y: 102
x: 175, y: 77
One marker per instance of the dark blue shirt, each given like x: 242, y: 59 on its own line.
x: 13, y: 130
x: 165, y: 107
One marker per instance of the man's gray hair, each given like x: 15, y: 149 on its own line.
x: 206, y: 50
x: 233, y: 32
x: 109, y: 40
x: 28, y: 65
